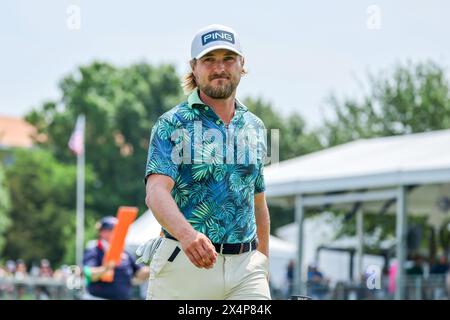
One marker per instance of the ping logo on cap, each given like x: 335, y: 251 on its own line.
x: 217, y: 35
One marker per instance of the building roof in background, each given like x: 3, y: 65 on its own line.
x: 419, y: 158
x: 15, y: 132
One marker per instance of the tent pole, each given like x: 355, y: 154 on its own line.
x: 360, y: 248
x: 299, y: 217
x: 401, y: 226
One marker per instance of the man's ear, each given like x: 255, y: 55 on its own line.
x: 192, y: 64
x: 242, y: 65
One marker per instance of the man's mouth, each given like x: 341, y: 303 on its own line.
x: 220, y: 78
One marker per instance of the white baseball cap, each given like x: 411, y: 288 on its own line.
x: 213, y: 37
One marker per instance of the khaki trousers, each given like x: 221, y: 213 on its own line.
x: 233, y: 277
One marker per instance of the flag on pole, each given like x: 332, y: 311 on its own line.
x: 76, y: 142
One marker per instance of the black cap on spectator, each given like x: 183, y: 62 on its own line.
x: 107, y: 223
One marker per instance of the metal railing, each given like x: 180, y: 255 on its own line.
x: 432, y: 287
x: 39, y: 288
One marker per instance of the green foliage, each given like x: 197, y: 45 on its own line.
x: 42, y: 206
x: 295, y: 140
x: 69, y: 232
x: 413, y: 98
x: 4, y: 206
x: 121, y: 106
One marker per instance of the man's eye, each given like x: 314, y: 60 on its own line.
x: 229, y: 58
x: 208, y: 59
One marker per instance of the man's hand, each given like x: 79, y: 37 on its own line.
x: 97, y: 272
x: 197, y: 246
x: 199, y: 249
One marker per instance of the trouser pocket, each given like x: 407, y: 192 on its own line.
x: 174, y: 254
x: 166, y: 252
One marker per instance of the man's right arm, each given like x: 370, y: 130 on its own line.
x: 196, y: 245
x: 97, y: 272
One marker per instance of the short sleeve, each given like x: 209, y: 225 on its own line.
x: 91, y: 258
x: 260, y: 185
x: 160, y: 150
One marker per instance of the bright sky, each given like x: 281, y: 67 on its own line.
x: 297, y: 52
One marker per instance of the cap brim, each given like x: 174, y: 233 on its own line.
x: 221, y: 46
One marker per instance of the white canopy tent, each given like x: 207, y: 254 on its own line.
x: 281, y: 252
x: 334, y: 257
x: 411, y: 170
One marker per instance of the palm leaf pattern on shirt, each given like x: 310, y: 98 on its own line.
x: 203, y: 217
x: 216, y: 198
x: 216, y: 233
x: 197, y: 193
x: 259, y: 181
x: 201, y: 171
x: 180, y: 192
x: 165, y: 129
x: 212, y: 153
x: 189, y: 113
x: 232, y: 233
x: 219, y: 172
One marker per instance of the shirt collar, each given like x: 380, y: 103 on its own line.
x: 194, y: 99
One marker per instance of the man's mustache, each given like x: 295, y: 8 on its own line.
x: 218, y: 76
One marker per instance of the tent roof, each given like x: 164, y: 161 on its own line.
x: 422, y: 158
x: 143, y: 229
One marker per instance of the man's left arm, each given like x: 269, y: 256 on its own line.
x: 262, y: 222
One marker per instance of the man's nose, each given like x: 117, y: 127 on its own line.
x: 219, y: 66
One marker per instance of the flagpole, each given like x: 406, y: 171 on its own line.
x: 80, y: 200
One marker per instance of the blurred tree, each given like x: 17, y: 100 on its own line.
x: 295, y: 140
x: 413, y: 98
x: 42, y: 194
x: 4, y: 206
x: 121, y: 105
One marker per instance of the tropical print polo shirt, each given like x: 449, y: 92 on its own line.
x: 217, y: 169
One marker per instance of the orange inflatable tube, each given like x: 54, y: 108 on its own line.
x: 125, y: 217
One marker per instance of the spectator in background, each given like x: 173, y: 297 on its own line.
x: 121, y: 286
x: 317, y: 284
x: 62, y: 273
x: 34, y: 271
x: 392, y: 277
x: 290, y: 275
x: 441, y: 267
x: 21, y: 274
x: 45, y: 271
x: 416, y: 269
x: 3, y: 286
x: 10, y: 269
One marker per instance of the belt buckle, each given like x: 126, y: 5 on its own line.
x: 241, y: 249
x: 221, y: 248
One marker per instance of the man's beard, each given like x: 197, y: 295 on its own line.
x: 223, y: 91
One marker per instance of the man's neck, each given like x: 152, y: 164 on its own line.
x: 224, y: 108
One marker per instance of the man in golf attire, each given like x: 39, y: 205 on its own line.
x: 204, y: 187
